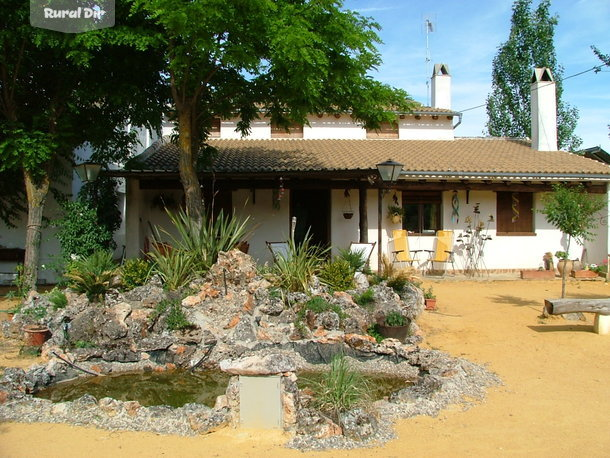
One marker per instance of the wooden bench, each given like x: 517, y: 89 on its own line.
x: 601, y: 308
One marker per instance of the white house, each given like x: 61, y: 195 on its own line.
x: 319, y: 171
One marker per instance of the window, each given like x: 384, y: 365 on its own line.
x: 386, y: 130
x: 422, y: 211
x: 294, y: 131
x: 515, y: 213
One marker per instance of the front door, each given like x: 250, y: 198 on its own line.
x: 311, y: 207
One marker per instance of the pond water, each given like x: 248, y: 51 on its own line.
x: 178, y: 388
x: 174, y: 389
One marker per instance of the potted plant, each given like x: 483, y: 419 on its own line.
x: 430, y: 299
x: 395, y: 326
x: 563, y: 262
x: 395, y: 213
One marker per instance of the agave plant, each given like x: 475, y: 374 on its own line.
x: 92, y: 275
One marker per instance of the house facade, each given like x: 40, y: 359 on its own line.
x: 322, y: 178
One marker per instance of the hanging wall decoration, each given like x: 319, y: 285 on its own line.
x: 347, y: 205
x: 515, y: 207
x: 455, y: 205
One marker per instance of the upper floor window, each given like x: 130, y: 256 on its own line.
x: 294, y: 131
x: 386, y: 130
x: 515, y: 213
x: 215, y: 128
x: 422, y: 211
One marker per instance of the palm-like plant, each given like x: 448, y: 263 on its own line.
x: 92, y: 275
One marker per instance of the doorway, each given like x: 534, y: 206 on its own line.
x: 311, y: 207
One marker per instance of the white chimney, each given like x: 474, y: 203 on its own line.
x: 544, y: 110
x: 441, y: 87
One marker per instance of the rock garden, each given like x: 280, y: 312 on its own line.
x: 306, y: 314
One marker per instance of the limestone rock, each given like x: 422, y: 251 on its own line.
x: 357, y: 424
x: 259, y: 365
x: 314, y: 423
x: 233, y: 267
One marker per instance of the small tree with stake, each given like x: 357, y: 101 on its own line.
x: 573, y: 211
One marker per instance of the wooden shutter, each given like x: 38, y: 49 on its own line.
x: 515, y: 213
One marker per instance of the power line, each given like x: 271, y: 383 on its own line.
x: 596, y: 69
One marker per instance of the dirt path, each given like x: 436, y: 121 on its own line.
x: 555, y: 401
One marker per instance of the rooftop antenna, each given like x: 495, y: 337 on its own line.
x: 429, y: 28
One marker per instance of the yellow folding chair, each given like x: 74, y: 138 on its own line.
x: 443, y: 251
x: 401, y: 251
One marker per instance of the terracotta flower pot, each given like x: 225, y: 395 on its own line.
x: 35, y: 335
x: 565, y: 264
x: 430, y: 304
x: 394, y: 332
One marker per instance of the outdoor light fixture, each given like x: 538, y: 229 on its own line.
x: 88, y: 171
x: 389, y: 170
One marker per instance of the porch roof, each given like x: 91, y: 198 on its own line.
x: 463, y: 158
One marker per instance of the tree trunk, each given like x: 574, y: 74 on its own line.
x: 188, y: 162
x: 36, y: 191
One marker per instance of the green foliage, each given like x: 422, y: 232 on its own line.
x: 57, y: 298
x: 12, y: 197
x: 429, y: 293
x: 92, y: 275
x: 83, y: 344
x: 356, y: 259
x: 135, y: 272
x: 561, y: 254
x: 573, y: 211
x: 175, y: 317
x: 20, y: 281
x: 395, y: 210
x: 318, y: 304
x: 530, y: 44
x: 175, y: 267
x: 373, y: 331
x: 337, y: 274
x: 366, y: 298
x: 79, y: 232
x: 36, y: 313
x: 102, y: 195
x: 395, y: 318
x: 294, y: 271
x: 398, y: 283
x: 340, y: 389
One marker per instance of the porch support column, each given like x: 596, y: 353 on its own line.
x: 362, y: 215
x: 379, y: 238
x: 608, y: 230
x: 133, y: 196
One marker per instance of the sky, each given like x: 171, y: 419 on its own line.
x: 466, y: 37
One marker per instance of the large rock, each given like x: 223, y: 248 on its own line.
x: 233, y: 267
x: 357, y: 424
x: 259, y: 365
x: 314, y: 423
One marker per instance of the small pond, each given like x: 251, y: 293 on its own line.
x: 377, y: 386
x: 174, y: 389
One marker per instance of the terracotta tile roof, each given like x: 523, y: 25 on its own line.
x: 449, y: 158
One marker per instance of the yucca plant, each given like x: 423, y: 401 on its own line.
x: 176, y: 267
x: 294, y: 271
x: 204, y: 241
x: 92, y: 275
x: 340, y: 389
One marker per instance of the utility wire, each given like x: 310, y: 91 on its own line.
x: 596, y: 69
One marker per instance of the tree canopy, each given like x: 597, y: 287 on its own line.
x: 529, y: 45
x: 283, y: 58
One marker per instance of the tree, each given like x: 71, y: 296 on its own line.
x: 573, y: 211
x: 529, y: 45
x: 605, y: 58
x: 58, y: 91
x: 285, y: 58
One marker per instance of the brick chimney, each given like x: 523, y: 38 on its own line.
x: 441, y: 87
x: 544, y: 110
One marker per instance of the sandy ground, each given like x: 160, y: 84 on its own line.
x: 555, y: 400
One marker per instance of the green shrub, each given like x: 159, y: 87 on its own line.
x: 373, y: 331
x: 36, y: 313
x: 135, y: 272
x: 57, y: 298
x: 176, y: 319
x: 337, y: 274
x: 92, y: 275
x: 366, y: 298
x: 79, y: 232
x: 175, y: 267
x: 83, y: 344
x: 398, y: 283
x: 318, y: 304
x: 356, y: 259
x: 394, y: 318
x: 340, y: 389
x: 294, y: 271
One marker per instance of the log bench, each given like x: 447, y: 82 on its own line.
x: 601, y: 308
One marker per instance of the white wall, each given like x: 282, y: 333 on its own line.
x: 426, y: 128
x: 343, y: 231
x: 329, y: 127
x: 259, y: 129
x: 269, y: 224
